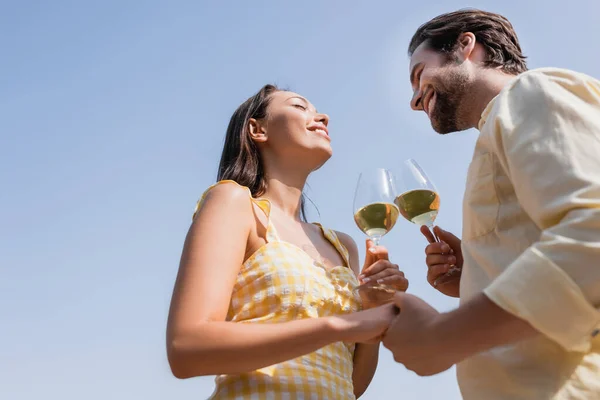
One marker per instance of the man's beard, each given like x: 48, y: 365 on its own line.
x: 448, y: 114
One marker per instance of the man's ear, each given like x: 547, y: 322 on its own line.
x: 465, y: 46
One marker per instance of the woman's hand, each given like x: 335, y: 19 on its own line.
x: 378, y: 269
x: 367, y: 326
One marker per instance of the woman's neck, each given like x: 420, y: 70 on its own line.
x: 284, y: 190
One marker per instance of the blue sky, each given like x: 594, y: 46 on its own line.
x: 112, y: 116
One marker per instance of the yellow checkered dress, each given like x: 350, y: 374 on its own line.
x: 280, y: 282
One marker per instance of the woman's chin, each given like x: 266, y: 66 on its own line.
x: 325, y: 154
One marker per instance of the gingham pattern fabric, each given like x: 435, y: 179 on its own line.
x: 280, y: 282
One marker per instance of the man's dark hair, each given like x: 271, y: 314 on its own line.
x: 493, y: 31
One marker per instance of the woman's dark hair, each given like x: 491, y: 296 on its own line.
x: 241, y: 161
x: 493, y: 31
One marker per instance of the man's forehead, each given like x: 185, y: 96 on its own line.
x: 422, y: 54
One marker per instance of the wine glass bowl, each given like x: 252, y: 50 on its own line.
x: 375, y: 214
x: 419, y: 202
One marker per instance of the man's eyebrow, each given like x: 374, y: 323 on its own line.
x: 413, y: 72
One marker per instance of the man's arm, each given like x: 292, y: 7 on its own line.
x: 479, y: 325
x: 552, y: 154
x: 428, y: 342
x: 548, y: 139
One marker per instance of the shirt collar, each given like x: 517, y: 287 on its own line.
x: 486, y: 112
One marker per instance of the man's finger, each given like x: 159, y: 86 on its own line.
x: 427, y: 233
x: 434, y: 259
x: 436, y: 271
x: 437, y: 248
x: 447, y: 237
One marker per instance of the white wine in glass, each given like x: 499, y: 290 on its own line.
x: 375, y: 213
x: 419, y: 202
x: 376, y: 219
x: 419, y: 206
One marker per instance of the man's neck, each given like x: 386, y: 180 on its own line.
x: 489, y: 84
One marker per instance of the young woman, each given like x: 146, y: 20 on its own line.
x: 263, y: 299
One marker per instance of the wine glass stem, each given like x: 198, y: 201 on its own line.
x: 437, y: 239
x: 452, y: 272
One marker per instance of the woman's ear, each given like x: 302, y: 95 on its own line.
x: 257, y: 130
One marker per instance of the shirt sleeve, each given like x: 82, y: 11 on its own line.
x: 547, y: 137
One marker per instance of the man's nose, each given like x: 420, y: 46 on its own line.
x: 416, y: 103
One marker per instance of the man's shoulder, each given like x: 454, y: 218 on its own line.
x: 542, y: 91
x: 550, y: 73
x: 544, y: 80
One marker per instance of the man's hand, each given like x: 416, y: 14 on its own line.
x: 428, y: 342
x: 440, y: 257
x: 415, y: 338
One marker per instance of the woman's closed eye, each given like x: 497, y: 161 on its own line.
x: 300, y: 106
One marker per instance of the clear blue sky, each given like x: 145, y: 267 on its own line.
x: 112, y: 116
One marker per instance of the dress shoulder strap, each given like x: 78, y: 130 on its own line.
x: 336, y: 242
x: 263, y: 204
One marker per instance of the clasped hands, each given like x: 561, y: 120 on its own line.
x: 414, y: 334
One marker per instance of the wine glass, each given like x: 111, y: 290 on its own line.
x: 419, y: 202
x: 375, y: 214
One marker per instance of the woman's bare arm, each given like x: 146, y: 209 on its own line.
x: 199, y: 340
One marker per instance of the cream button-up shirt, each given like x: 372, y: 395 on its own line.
x: 531, y: 236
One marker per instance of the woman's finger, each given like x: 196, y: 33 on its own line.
x: 375, y: 268
x: 397, y: 281
x: 380, y: 252
x: 383, y: 274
